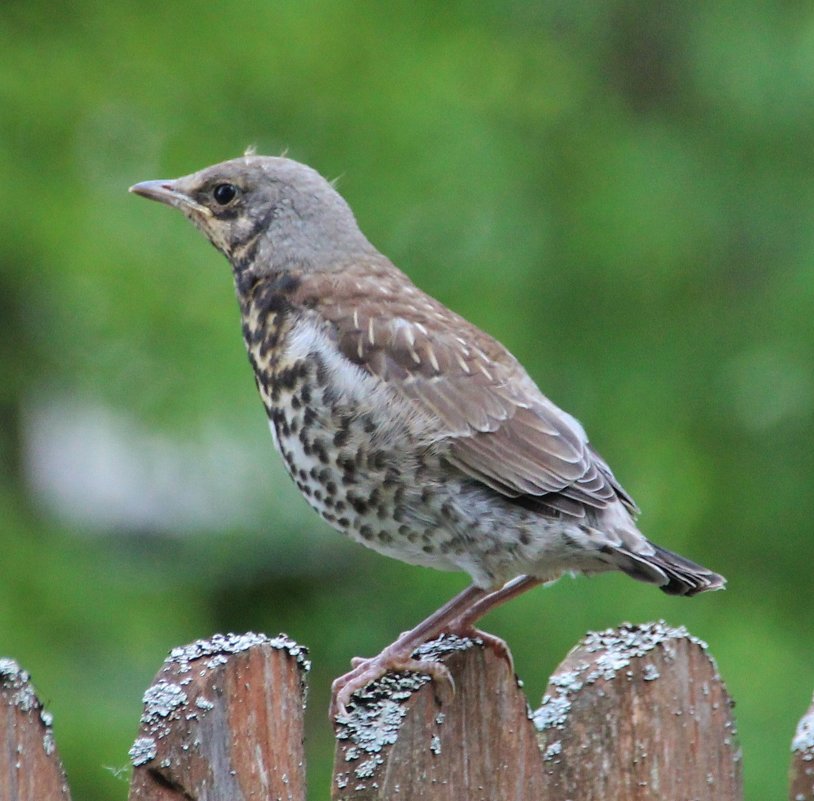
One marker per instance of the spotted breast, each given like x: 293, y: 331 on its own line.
x: 366, y: 459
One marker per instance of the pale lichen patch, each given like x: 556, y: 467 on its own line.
x: 615, y: 649
x: 142, y: 751
x: 803, y: 742
x: 375, y: 714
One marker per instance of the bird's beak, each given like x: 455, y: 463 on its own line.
x: 166, y: 191
x: 162, y: 191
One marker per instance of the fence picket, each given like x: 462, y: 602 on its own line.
x: 223, y: 721
x: 640, y: 713
x: 30, y: 768
x: 398, y: 741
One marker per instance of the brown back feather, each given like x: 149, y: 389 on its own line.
x: 501, y: 429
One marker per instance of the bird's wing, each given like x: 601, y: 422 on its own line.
x: 500, y: 428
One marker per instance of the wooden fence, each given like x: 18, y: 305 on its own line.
x: 636, y: 713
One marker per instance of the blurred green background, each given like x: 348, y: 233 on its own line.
x: 619, y: 191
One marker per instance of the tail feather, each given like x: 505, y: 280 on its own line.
x: 674, y: 574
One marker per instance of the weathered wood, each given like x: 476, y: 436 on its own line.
x: 802, y: 760
x: 639, y: 713
x: 399, y: 741
x: 636, y: 713
x: 30, y: 768
x: 223, y: 721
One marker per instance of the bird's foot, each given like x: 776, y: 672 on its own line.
x: 389, y: 660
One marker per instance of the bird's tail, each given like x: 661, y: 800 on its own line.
x: 674, y: 574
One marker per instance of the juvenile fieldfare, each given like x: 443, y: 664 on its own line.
x: 406, y: 427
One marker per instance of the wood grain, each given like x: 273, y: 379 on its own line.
x: 639, y: 713
x: 30, y: 768
x: 399, y: 741
x: 223, y: 721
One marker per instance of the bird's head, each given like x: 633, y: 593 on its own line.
x: 266, y: 214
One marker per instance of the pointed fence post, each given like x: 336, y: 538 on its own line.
x: 30, y: 768
x: 640, y: 713
x: 398, y: 741
x: 223, y: 721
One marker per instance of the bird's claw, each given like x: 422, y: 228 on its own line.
x: 499, y: 646
x: 365, y: 671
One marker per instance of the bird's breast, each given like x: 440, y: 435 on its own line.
x: 348, y: 445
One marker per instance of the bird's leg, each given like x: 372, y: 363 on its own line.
x: 463, y: 625
x: 511, y: 589
x: 458, y: 616
x: 399, y: 655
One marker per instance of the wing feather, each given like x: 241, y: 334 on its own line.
x: 500, y: 429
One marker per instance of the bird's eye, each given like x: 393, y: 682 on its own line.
x: 224, y: 194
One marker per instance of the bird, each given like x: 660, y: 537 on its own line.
x: 405, y: 426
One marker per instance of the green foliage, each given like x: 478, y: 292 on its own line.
x: 621, y: 192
